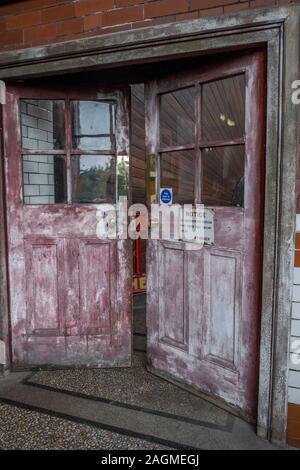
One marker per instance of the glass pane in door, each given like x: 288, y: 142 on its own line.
x: 93, y: 125
x: 93, y: 179
x: 44, y: 179
x: 178, y: 173
x: 43, y: 124
x: 223, y: 109
x: 223, y: 176
x: 177, y: 118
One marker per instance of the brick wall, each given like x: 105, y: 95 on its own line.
x: 37, y: 134
x: 36, y: 22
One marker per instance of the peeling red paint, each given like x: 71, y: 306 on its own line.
x: 70, y: 292
x: 204, y: 306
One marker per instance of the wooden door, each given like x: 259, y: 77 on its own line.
x: 70, y: 289
x: 206, y: 129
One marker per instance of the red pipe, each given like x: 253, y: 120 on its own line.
x: 138, y: 271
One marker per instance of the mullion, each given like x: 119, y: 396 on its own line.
x: 93, y: 152
x: 93, y: 135
x: 198, y: 153
x: 221, y: 143
x: 68, y: 149
x: 43, y: 152
x: 112, y: 139
x: 177, y: 148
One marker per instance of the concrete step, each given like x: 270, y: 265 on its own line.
x: 167, y: 429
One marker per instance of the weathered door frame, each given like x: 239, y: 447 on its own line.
x: 276, y: 29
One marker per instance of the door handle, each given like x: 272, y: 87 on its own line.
x: 112, y: 222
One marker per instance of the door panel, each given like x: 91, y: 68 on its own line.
x: 173, y: 318
x: 97, y: 284
x: 222, y: 288
x: 44, y: 286
x: 203, y: 308
x: 70, y: 291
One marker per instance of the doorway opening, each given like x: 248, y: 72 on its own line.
x: 139, y: 196
x: 203, y: 315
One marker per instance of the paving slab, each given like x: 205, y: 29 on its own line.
x: 201, y: 425
x: 22, y: 429
x: 134, y: 386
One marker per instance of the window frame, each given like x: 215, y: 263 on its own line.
x: 199, y: 144
x: 68, y: 151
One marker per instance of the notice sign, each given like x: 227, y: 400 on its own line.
x: 166, y: 196
x: 197, y: 225
x: 209, y: 227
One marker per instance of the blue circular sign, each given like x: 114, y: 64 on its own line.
x: 166, y: 196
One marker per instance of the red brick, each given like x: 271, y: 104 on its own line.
x: 92, y: 21
x: 12, y: 9
x: 293, y: 441
x: 42, y: 31
x: 62, y: 39
x: 122, y: 16
x: 58, y: 13
x: 70, y: 26
x: 2, y: 25
x: 84, y: 7
x: 164, y: 19
x: 165, y: 7
x: 11, y: 37
x: 297, y: 246
x: 30, y: 5
x: 297, y: 259
x: 22, y: 21
x: 27, y: 5
x: 205, y: 4
x: 262, y: 3
x: 211, y: 12
x: 128, y: 3
x: 142, y: 24
x: 115, y: 29
x: 294, y: 412
x: 12, y: 47
x: 191, y: 15
x: 43, y: 21
x: 236, y: 7
x: 293, y: 429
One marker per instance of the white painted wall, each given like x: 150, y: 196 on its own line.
x: 294, y: 373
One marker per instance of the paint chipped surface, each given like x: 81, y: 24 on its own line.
x: 203, y: 306
x: 70, y: 291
